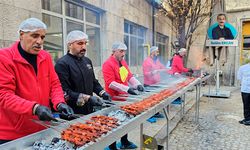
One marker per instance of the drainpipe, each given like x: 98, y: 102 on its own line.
x: 153, y: 21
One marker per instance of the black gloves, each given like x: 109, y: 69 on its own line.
x: 44, y: 113
x: 140, y: 88
x: 65, y: 109
x: 106, y: 96
x: 95, y: 101
x: 190, y: 70
x: 131, y: 91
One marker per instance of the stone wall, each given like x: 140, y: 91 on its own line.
x: 236, y: 4
x: 12, y: 13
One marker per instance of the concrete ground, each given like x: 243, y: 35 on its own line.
x: 218, y: 127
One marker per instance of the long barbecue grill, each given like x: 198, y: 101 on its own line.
x: 26, y: 143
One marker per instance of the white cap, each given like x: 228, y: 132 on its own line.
x: 31, y: 25
x: 153, y: 48
x: 119, y: 46
x: 75, y: 36
x: 182, y: 50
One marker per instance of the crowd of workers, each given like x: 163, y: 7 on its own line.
x: 31, y: 87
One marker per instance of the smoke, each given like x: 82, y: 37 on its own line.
x: 195, y: 59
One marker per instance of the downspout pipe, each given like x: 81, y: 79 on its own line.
x: 153, y: 22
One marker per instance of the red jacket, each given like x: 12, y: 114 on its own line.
x: 177, y: 65
x: 148, y: 67
x: 21, y: 89
x: 110, y: 70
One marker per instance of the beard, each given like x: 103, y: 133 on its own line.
x: 121, y: 58
x: 81, y: 53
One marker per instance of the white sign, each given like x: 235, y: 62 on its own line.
x: 221, y: 42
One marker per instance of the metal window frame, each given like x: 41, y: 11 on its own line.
x: 165, y: 44
x: 49, y: 6
x: 246, y: 40
x: 84, y: 22
x: 135, y: 36
x: 162, y: 35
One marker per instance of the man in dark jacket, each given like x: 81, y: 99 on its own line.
x: 77, y: 76
x: 221, y: 31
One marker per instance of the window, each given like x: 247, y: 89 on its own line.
x: 53, y: 41
x: 93, y: 45
x: 92, y: 16
x: 52, y: 5
x: 162, y: 43
x: 74, y: 11
x: 61, y: 21
x: 126, y: 42
x: 246, y: 42
x: 134, y: 37
x: 72, y: 25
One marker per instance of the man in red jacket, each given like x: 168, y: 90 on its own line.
x: 151, y: 67
x: 177, y: 64
x: 151, y: 72
x: 178, y: 68
x: 28, y: 83
x: 117, y: 77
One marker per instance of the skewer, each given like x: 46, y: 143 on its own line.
x: 126, y: 98
x: 46, y: 125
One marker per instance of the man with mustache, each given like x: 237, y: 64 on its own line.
x: 77, y: 77
x: 220, y: 32
x: 117, y: 77
x: 28, y: 84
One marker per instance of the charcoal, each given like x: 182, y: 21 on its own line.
x: 56, y: 144
x: 122, y: 116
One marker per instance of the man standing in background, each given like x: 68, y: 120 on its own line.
x: 178, y: 64
x: 244, y: 77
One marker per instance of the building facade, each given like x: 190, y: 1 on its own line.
x: 105, y: 21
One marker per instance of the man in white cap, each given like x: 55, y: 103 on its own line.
x: 28, y: 84
x: 152, y: 67
x: 177, y: 68
x: 151, y: 72
x: 178, y: 64
x: 77, y: 77
x: 118, y: 77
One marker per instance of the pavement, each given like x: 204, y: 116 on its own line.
x: 218, y: 127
